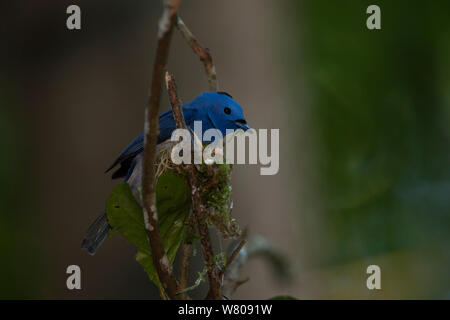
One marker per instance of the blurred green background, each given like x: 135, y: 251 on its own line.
x: 363, y: 115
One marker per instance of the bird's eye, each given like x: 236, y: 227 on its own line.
x: 227, y: 110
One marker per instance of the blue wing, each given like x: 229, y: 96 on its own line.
x: 126, y: 157
x: 166, y: 125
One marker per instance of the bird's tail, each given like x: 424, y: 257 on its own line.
x: 96, y: 234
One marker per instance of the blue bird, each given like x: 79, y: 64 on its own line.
x: 215, y: 109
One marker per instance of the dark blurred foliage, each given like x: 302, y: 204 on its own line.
x: 17, y: 235
x: 379, y: 112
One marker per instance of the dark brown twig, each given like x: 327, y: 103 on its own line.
x: 202, y: 53
x: 198, y: 208
x: 159, y: 255
x: 233, y: 256
x: 239, y: 283
x: 186, y: 252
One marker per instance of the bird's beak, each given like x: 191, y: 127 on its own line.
x: 242, y: 124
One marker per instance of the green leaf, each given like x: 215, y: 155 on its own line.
x: 173, y: 204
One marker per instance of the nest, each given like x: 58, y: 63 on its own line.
x: 215, y: 187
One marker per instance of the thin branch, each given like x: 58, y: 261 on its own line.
x: 186, y: 252
x: 239, y: 283
x: 231, y: 272
x: 159, y: 255
x: 175, y: 102
x: 202, y: 53
x: 199, y: 209
x: 233, y: 256
x: 257, y: 246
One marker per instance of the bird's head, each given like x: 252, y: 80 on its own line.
x: 222, y: 111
